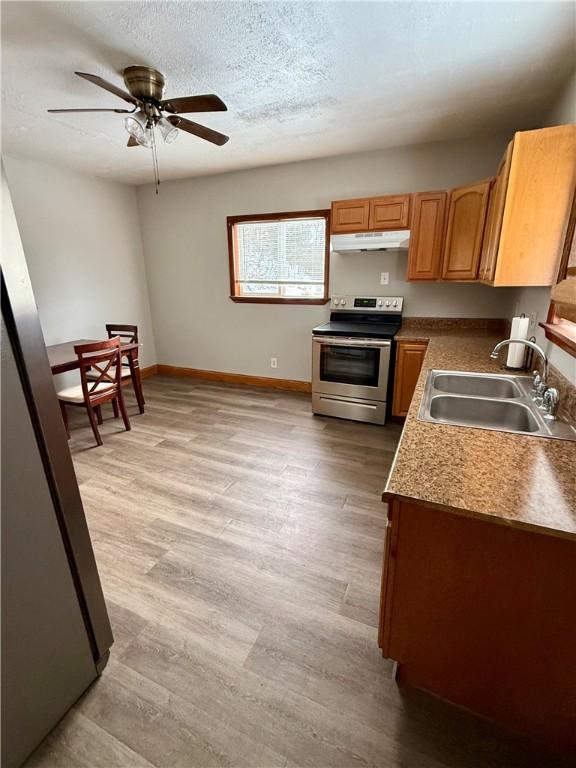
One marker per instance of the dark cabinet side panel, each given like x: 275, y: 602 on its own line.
x: 46, y: 654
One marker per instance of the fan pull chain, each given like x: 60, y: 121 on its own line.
x: 155, y: 161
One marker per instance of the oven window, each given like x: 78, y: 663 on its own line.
x: 350, y: 365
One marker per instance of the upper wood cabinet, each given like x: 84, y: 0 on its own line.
x: 466, y: 216
x: 350, y: 215
x: 536, y: 208
x: 494, y: 218
x: 409, y: 359
x: 508, y: 231
x: 427, y: 235
x: 391, y: 212
x: 371, y: 213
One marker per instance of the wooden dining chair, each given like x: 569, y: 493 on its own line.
x: 130, y: 368
x: 100, y: 359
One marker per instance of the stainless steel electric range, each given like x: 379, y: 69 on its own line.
x: 351, y: 357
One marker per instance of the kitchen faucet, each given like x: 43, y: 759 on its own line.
x: 532, y: 345
x: 545, y: 397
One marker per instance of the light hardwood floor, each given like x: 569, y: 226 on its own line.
x: 239, y: 541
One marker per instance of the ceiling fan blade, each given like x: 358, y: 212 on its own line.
x: 207, y: 103
x: 91, y: 110
x: 198, y: 130
x: 132, y: 142
x: 107, y: 86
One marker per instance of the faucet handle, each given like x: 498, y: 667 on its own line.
x: 540, y: 392
x: 550, y: 402
x: 536, y: 382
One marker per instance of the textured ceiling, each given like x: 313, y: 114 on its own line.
x: 301, y: 79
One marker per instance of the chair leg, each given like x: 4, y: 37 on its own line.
x: 93, y: 424
x: 64, y: 417
x: 123, y: 411
x: 98, y: 411
x: 115, y: 409
x: 137, y: 384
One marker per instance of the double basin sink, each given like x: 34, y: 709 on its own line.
x: 488, y: 401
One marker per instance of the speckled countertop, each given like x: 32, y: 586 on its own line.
x: 519, y: 480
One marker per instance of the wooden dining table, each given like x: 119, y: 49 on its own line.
x: 63, y: 358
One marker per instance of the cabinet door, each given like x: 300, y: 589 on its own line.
x: 409, y: 358
x: 427, y: 235
x: 494, y: 219
x: 539, y: 199
x: 387, y: 582
x: 350, y: 215
x: 390, y: 212
x: 466, y: 217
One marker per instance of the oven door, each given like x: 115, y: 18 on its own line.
x: 350, y: 367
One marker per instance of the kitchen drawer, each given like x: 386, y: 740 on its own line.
x: 372, y: 411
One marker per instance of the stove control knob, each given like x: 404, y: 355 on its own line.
x: 336, y: 302
x: 343, y: 302
x: 387, y: 303
x: 394, y: 303
x: 380, y: 302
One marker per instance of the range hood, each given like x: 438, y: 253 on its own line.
x: 371, y: 241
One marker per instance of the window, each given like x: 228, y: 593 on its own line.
x: 560, y: 326
x: 280, y: 258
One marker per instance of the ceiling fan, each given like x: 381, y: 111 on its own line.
x: 145, y: 91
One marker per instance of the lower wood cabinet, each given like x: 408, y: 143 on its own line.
x: 481, y: 615
x: 464, y: 231
x: 409, y: 359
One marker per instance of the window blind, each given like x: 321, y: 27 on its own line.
x: 281, y: 258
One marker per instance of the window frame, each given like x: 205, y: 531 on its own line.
x: 559, y: 331
x: 233, y: 264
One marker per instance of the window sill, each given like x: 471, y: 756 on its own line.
x: 562, y: 334
x: 270, y: 300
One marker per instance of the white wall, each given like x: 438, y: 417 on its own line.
x: 537, y: 300
x: 82, y: 241
x: 184, y: 232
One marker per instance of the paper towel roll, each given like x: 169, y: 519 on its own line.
x: 516, y: 352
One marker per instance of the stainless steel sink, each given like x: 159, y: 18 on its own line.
x: 480, y: 412
x: 488, y: 401
x: 477, y: 384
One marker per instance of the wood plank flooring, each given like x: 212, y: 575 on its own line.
x: 239, y: 541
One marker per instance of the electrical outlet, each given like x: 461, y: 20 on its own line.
x: 384, y: 278
x: 533, y: 320
x: 273, y: 362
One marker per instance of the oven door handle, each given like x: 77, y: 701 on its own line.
x: 342, y: 341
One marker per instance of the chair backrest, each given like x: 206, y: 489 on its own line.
x: 128, y: 333
x: 102, y: 360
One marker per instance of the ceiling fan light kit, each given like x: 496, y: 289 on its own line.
x: 139, y: 128
x: 168, y: 131
x: 145, y: 91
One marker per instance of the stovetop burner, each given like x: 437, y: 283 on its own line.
x: 367, y: 317
x: 358, y: 330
